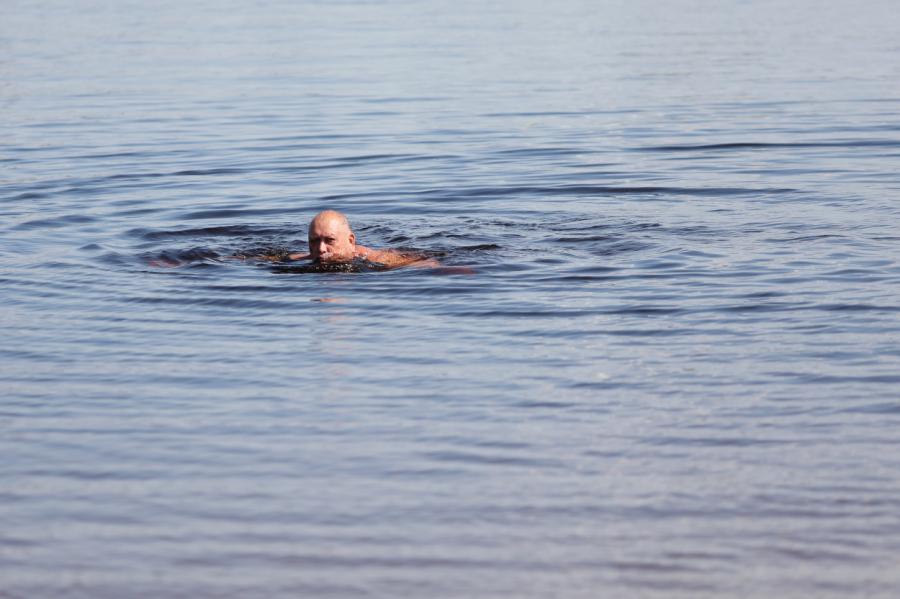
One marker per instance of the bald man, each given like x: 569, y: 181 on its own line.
x: 331, y: 240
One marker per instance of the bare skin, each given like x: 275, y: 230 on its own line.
x: 331, y: 240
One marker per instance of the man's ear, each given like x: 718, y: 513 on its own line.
x: 352, y: 239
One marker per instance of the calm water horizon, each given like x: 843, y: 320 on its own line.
x: 671, y: 371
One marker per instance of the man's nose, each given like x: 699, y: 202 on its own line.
x: 322, y: 247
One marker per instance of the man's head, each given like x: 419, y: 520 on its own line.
x: 330, y: 238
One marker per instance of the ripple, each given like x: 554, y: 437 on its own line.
x: 54, y: 222
x: 198, y: 233
x: 870, y: 143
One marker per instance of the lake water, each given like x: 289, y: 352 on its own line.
x: 672, y: 372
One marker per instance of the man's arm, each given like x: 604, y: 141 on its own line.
x: 271, y: 257
x: 395, y: 259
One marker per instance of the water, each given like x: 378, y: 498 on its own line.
x: 672, y: 372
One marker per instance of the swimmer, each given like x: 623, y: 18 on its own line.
x: 332, y: 246
x: 332, y: 241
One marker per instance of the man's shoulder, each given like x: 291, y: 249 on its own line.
x: 387, y: 257
x: 382, y: 256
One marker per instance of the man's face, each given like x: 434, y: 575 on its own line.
x: 330, y: 240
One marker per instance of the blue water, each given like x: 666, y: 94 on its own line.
x: 668, y: 365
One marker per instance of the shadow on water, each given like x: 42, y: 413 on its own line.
x: 277, y: 257
x: 357, y: 265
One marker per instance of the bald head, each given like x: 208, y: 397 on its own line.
x: 327, y: 216
x: 330, y: 237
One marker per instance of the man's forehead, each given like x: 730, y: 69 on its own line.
x: 328, y: 225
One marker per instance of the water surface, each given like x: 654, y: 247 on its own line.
x: 672, y: 372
